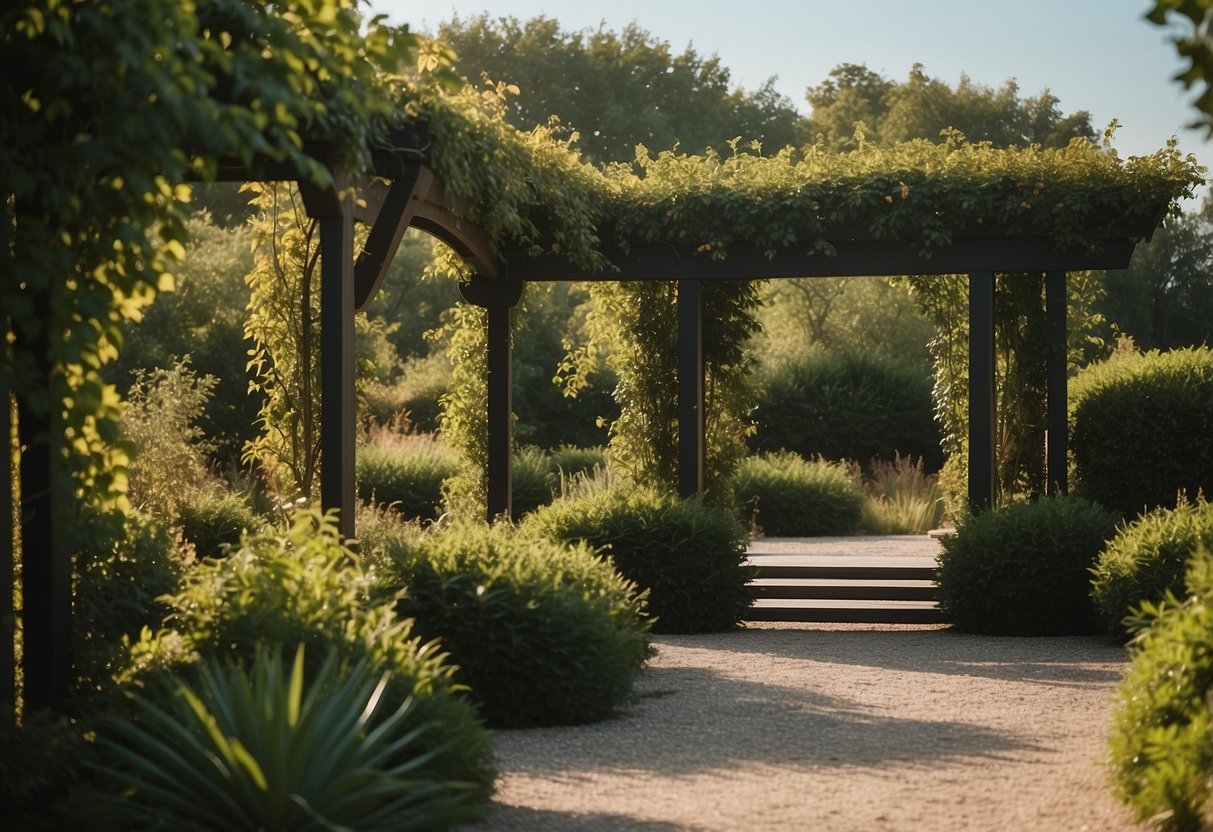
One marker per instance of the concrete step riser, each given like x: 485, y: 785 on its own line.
x: 856, y: 591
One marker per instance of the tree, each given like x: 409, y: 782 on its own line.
x: 1195, y: 46
x: 922, y: 106
x: 1162, y: 299
x: 618, y: 90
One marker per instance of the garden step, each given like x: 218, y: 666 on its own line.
x: 844, y: 567
x: 843, y: 588
x: 846, y: 611
x: 871, y: 589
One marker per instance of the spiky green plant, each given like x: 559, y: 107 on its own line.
x: 252, y: 749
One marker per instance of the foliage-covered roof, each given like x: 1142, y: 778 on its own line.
x: 531, y: 191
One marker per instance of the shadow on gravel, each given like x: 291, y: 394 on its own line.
x: 1062, y: 661
x: 690, y: 720
x: 529, y: 820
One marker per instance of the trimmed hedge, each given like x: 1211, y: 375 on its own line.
x: 543, y: 633
x: 848, y: 405
x: 406, y: 473
x: 788, y: 496
x: 1146, y: 560
x: 1162, y: 759
x: 1142, y: 429
x: 1024, y: 569
x: 689, y: 556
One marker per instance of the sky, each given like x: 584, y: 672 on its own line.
x: 1095, y: 55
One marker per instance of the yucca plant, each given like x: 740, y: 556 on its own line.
x: 254, y: 750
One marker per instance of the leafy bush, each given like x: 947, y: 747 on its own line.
x: 533, y: 481
x: 848, y: 405
x: 689, y: 556
x: 126, y: 563
x: 788, y: 496
x: 543, y: 633
x: 1142, y: 428
x: 1024, y: 569
x: 299, y: 585
x: 263, y: 749
x: 405, y: 472
x: 902, y: 498
x: 161, y: 420
x: 44, y: 770
x: 216, y: 516
x: 1162, y: 760
x: 538, y: 475
x: 1146, y: 560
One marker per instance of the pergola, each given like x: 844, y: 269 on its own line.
x: 400, y: 189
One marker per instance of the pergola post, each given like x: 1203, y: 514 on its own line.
x: 690, y: 388
x: 497, y: 296
x: 1056, y: 440
x: 981, y: 390
x: 46, y: 565
x: 500, y: 497
x: 338, y: 406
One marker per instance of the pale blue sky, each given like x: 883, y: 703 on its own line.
x: 1098, y: 55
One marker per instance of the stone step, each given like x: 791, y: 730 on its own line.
x: 841, y: 588
x: 844, y: 567
x: 846, y: 611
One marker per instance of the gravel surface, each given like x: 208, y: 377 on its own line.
x: 833, y: 727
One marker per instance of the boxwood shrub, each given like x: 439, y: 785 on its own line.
x: 1147, y: 559
x: 689, y: 556
x: 786, y: 495
x: 543, y: 633
x: 406, y: 472
x: 1024, y: 569
x: 848, y: 405
x: 1162, y: 759
x: 300, y: 586
x: 1142, y: 428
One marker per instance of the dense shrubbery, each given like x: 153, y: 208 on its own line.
x: 406, y: 472
x: 543, y: 633
x: 690, y: 557
x: 1142, y: 428
x: 787, y: 496
x: 301, y: 586
x: 848, y: 405
x: 1146, y: 560
x: 122, y: 571
x: 215, y: 516
x: 1162, y: 759
x: 1024, y: 569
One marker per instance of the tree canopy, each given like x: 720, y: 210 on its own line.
x: 922, y: 106
x: 618, y: 89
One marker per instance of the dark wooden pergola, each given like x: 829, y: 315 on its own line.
x: 399, y: 190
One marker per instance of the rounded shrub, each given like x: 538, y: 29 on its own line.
x: 848, y: 405
x: 214, y: 517
x: 1024, y: 569
x: 543, y: 633
x: 689, y: 556
x: 300, y: 586
x: 788, y: 496
x: 406, y: 472
x: 1142, y: 429
x: 569, y: 461
x: 1146, y: 560
x: 1162, y: 760
x: 533, y: 481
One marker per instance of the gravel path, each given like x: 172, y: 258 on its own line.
x: 832, y: 727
